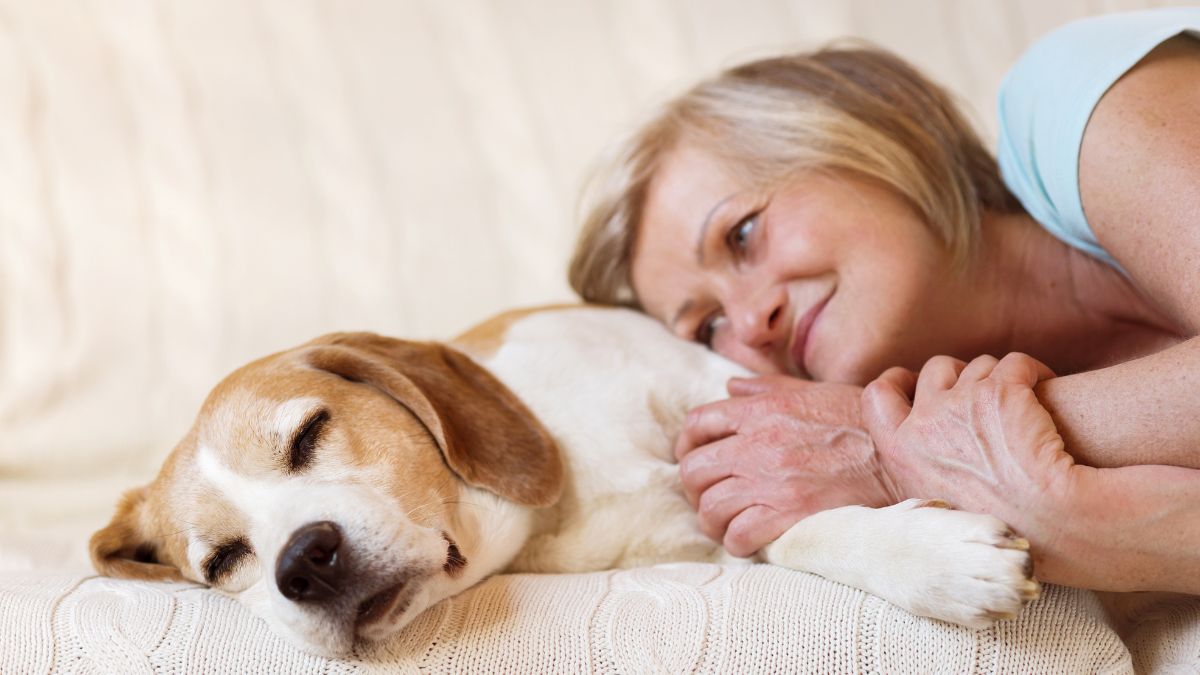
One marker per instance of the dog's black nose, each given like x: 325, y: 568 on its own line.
x: 312, y: 566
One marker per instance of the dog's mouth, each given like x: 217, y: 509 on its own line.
x: 378, y: 606
x: 393, y: 600
x: 455, y: 560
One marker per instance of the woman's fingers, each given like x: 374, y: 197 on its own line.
x: 939, y: 374
x: 720, y: 503
x: 887, y: 401
x: 708, y: 423
x: 755, y: 527
x: 1018, y: 368
x: 979, y: 368
x: 707, y: 466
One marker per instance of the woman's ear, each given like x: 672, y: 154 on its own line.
x: 486, y: 434
x: 124, y: 549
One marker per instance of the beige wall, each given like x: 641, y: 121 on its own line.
x: 187, y: 185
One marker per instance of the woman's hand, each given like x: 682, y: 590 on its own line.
x: 977, y: 436
x: 974, y: 435
x: 778, y: 450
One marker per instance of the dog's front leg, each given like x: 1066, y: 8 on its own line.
x: 956, y: 566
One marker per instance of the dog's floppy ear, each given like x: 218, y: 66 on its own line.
x: 125, y: 550
x: 487, y: 435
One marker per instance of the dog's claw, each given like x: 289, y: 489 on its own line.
x: 1017, y: 543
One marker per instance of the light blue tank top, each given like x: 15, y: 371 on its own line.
x: 1047, y: 98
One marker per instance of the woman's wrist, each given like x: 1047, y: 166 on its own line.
x: 893, y: 478
x: 892, y: 491
x: 1127, y: 529
x: 1033, y: 506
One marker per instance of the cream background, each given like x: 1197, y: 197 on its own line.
x: 187, y: 185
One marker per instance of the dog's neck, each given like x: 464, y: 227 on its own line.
x: 490, y: 531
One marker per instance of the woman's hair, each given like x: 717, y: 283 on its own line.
x: 854, y: 109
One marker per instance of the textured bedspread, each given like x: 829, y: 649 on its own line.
x: 672, y: 619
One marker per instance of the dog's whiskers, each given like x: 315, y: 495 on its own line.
x: 466, y: 503
x: 164, y: 535
x: 421, y: 509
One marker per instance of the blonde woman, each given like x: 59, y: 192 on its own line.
x: 831, y: 217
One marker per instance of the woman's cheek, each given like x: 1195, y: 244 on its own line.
x: 846, y: 356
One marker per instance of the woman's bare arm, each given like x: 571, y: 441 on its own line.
x: 1145, y: 411
x: 1136, y: 527
x: 1139, y: 172
x: 1139, y: 177
x: 1130, y: 529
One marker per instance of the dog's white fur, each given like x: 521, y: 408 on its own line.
x: 961, y: 567
x: 612, y: 387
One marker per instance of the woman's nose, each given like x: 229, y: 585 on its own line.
x: 758, y: 319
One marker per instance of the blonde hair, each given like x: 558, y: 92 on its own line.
x: 855, y: 109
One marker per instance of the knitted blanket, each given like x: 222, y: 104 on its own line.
x: 667, y: 619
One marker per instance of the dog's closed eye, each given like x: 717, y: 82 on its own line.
x: 305, y: 441
x: 224, y: 559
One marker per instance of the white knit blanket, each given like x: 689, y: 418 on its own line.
x: 669, y: 619
x: 56, y: 617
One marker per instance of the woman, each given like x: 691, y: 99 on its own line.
x: 831, y: 217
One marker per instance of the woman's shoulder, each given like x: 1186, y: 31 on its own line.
x: 1139, y: 175
x: 1048, y: 97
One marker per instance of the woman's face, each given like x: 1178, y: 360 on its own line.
x: 832, y: 276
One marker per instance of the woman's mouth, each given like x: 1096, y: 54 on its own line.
x: 802, y: 333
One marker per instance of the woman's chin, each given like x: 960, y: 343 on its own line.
x: 843, y: 369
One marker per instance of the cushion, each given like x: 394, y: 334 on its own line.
x: 671, y: 618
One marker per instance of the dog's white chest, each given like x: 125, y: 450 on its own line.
x: 613, y: 387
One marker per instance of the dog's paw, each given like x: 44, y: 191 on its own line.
x: 965, y: 568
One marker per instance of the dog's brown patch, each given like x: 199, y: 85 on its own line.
x: 482, y: 340
x: 138, y: 544
x: 486, y: 434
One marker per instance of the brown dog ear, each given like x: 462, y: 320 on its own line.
x: 487, y: 435
x: 124, y: 550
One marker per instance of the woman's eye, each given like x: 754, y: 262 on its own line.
x: 707, y: 329
x: 738, y: 238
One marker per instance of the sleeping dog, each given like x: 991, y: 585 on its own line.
x: 342, y: 487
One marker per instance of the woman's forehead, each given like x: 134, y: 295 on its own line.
x: 689, y: 194
x: 681, y: 198
x: 689, y: 173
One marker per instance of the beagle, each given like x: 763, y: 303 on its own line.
x: 340, y: 488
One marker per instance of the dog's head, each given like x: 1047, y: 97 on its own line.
x: 323, y: 486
